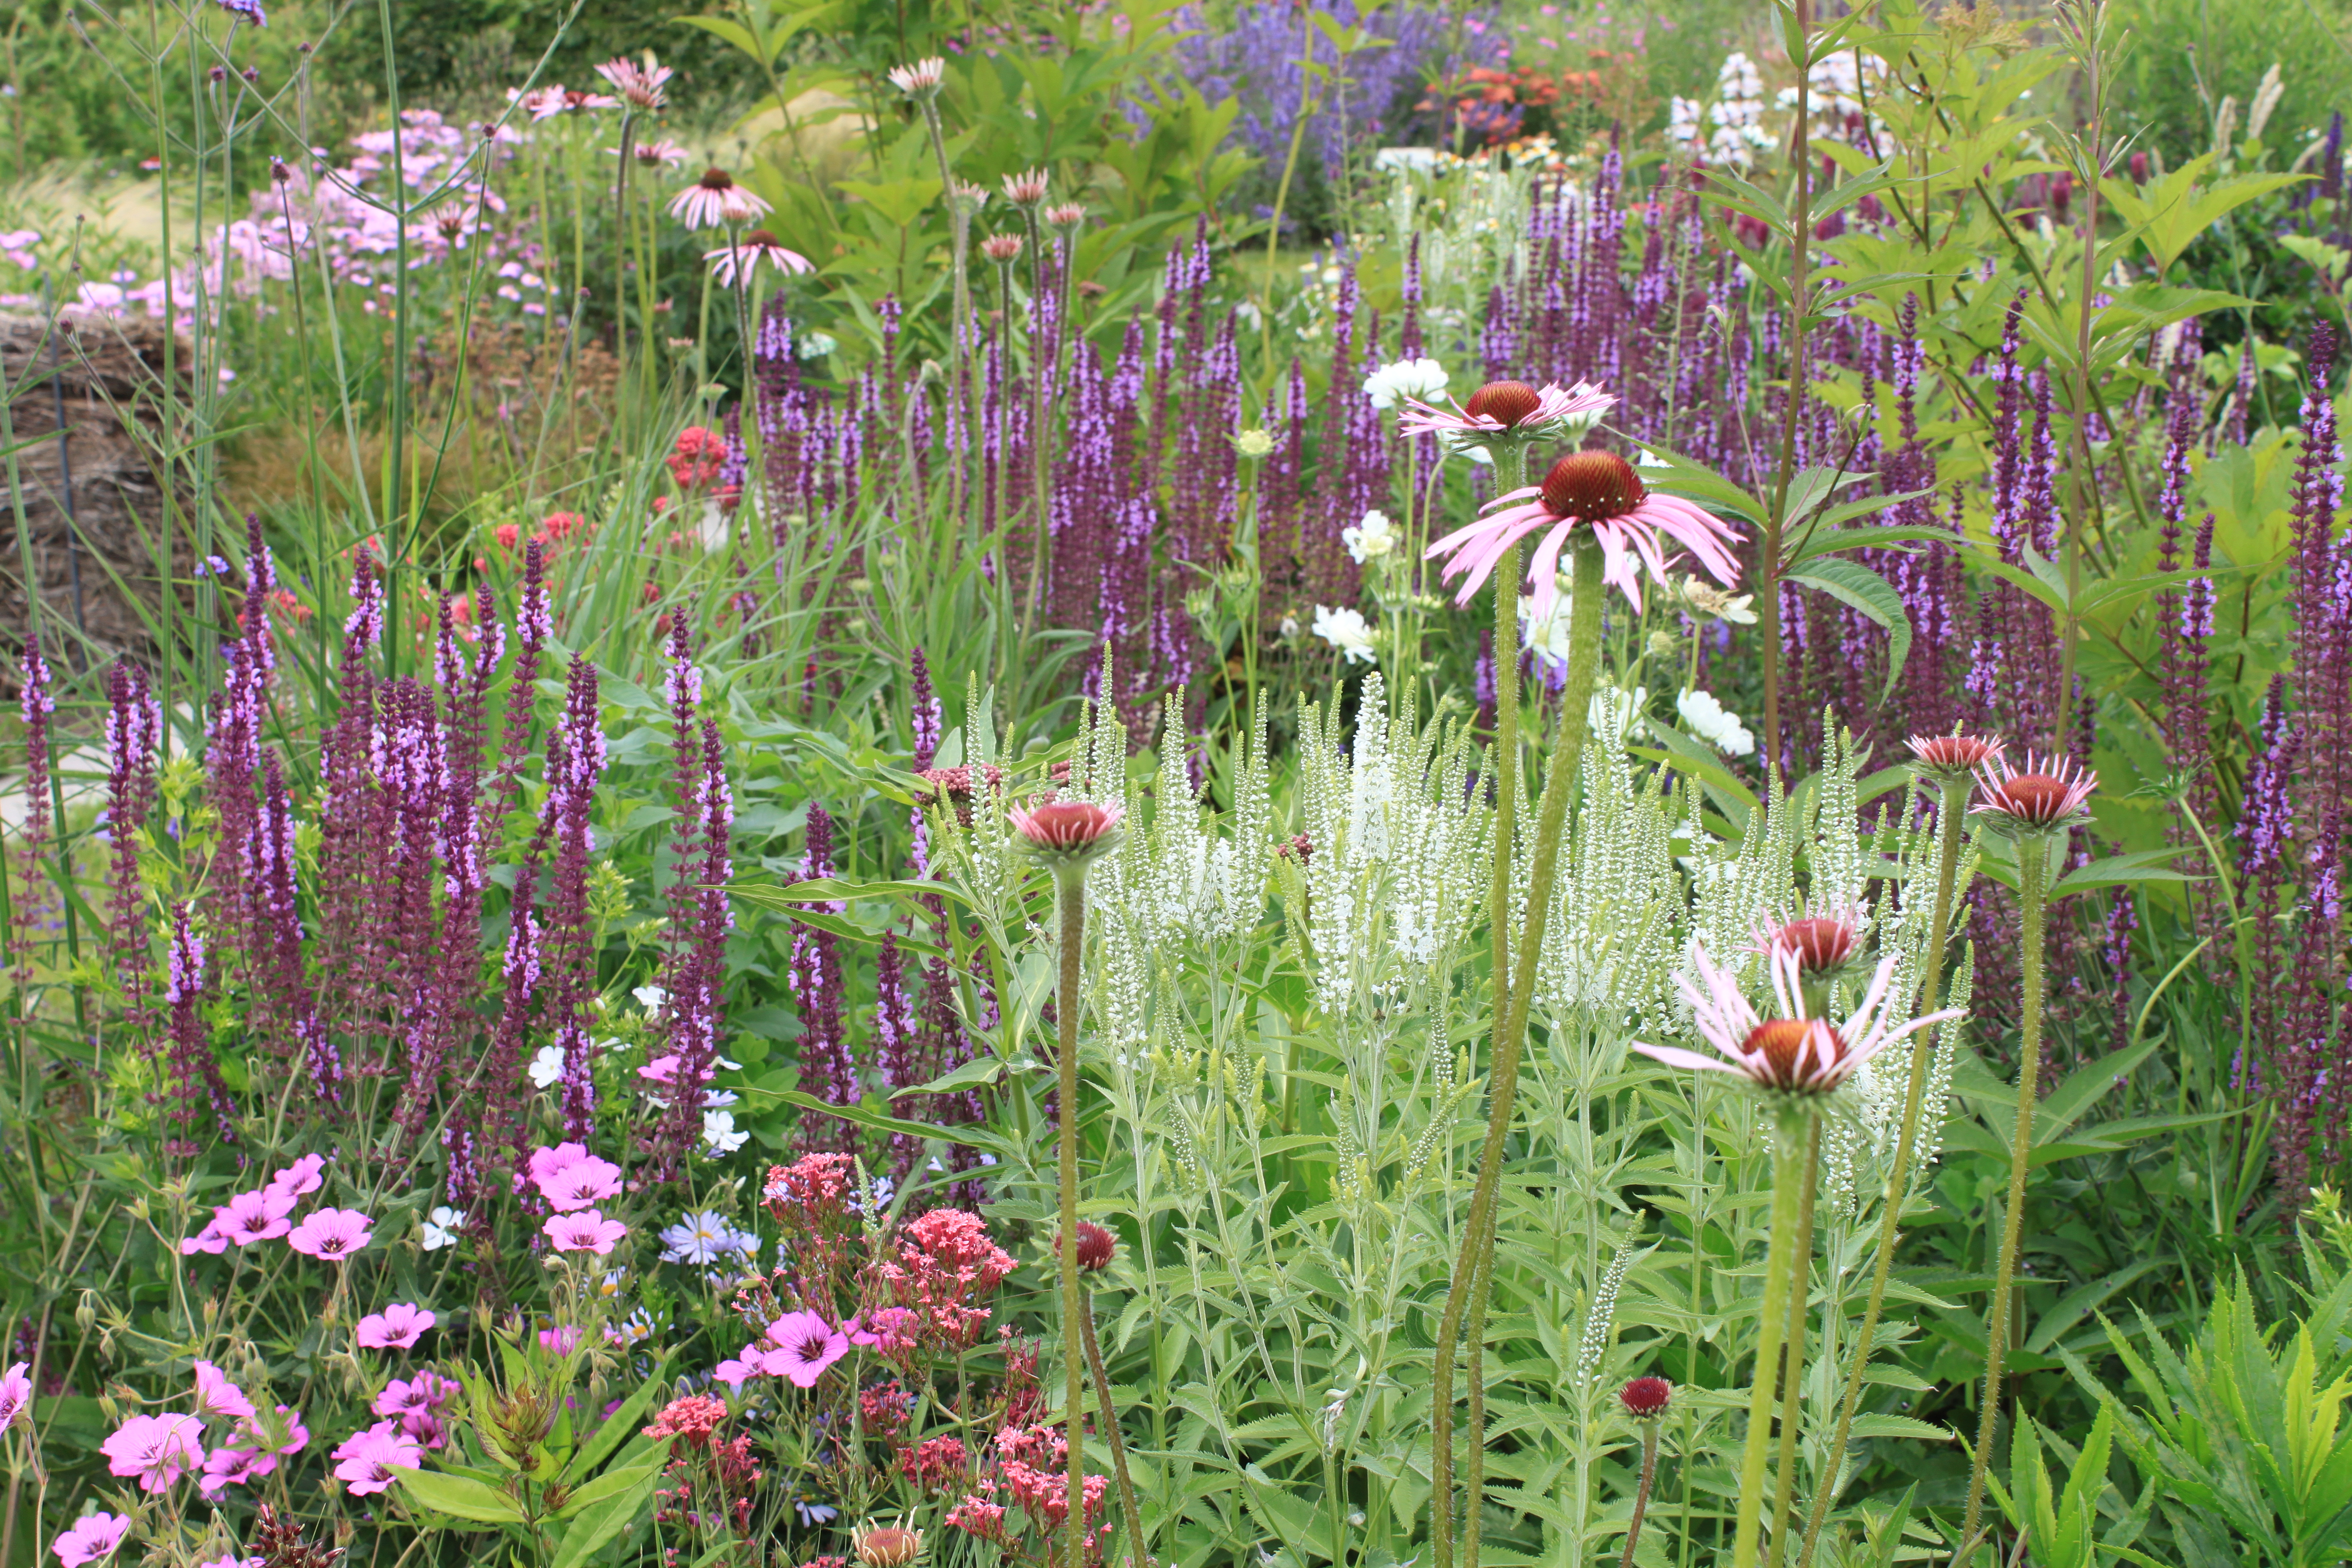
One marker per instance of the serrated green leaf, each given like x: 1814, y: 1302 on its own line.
x: 1852, y: 583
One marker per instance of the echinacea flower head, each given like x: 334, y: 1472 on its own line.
x: 157, y: 1449
x: 1064, y: 835
x: 370, y: 1458
x: 1646, y: 1398
x: 805, y: 1344
x: 1002, y: 249
x: 330, y: 1234
x: 640, y: 86
x: 15, y: 1395
x: 662, y: 152
x: 1823, y: 943
x: 92, y: 1539
x: 1595, y: 497
x: 397, y: 1328
x: 1096, y: 1246
x: 1027, y: 188
x: 885, y: 1546
x: 746, y: 256
x: 919, y: 78
x: 716, y: 199
x: 2049, y: 796
x: 1794, y: 1056
x: 1954, y: 758
x: 584, y: 1232
x: 1064, y: 215
x: 1509, y: 411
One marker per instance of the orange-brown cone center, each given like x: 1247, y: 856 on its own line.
x: 1782, y: 1042
x: 1592, y: 487
x: 717, y: 180
x: 2034, y: 798
x: 1506, y: 402
x: 761, y: 236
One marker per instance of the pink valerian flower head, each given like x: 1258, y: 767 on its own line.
x: 1955, y: 758
x: 1793, y: 1054
x: 587, y: 1231
x: 640, y: 86
x: 157, y: 1449
x: 331, y: 1235
x: 1595, y: 496
x: 2050, y: 796
x: 369, y: 1458
x: 689, y: 1421
x: 758, y: 247
x: 814, y: 1186
x: 919, y: 78
x: 258, y: 1215
x: 1065, y: 835
x: 218, y: 1398
x: 585, y: 1181
x: 1510, y: 410
x: 804, y: 1345
x: 301, y: 1178
x: 934, y: 1464
x: 15, y: 1396
x: 1004, y: 249
x: 716, y: 199
x: 92, y: 1539
x: 1646, y: 1398
x: 397, y: 1328
x: 1027, y: 188
x: 947, y: 1264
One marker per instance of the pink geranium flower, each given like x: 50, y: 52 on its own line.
x: 92, y: 1539
x: 584, y: 1232
x: 208, y: 1240
x: 583, y: 1181
x: 545, y: 1161
x: 426, y: 1391
x: 397, y: 1328
x: 330, y: 1234
x: 226, y: 1467
x: 301, y: 1178
x: 218, y: 1397
x: 157, y: 1449
x: 258, y: 1215
x: 370, y: 1458
x: 15, y: 1396
x: 805, y: 1345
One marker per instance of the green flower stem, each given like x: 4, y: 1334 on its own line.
x: 1511, y: 466
x: 2032, y: 891
x: 1950, y: 820
x: 1642, y: 1497
x: 1070, y: 888
x: 1787, y: 1201
x: 1792, y: 1384
x: 1141, y: 1558
x: 1474, y: 1274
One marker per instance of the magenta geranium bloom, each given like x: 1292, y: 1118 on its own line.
x: 91, y: 1540
x: 208, y: 1240
x: 226, y: 1467
x: 218, y: 1397
x: 544, y: 1162
x: 157, y: 1449
x: 397, y: 1328
x: 15, y: 1395
x: 370, y: 1458
x: 587, y: 1231
x: 258, y: 1215
x: 301, y: 1178
x: 805, y: 1344
x: 584, y: 1180
x: 330, y: 1234
x: 426, y: 1391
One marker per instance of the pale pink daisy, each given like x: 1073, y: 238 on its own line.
x: 1597, y: 493
x: 218, y: 1397
x: 640, y: 86
x: 580, y: 1183
x: 2049, y: 796
x: 370, y: 1458
x: 1512, y: 407
x: 1794, y: 1053
x: 805, y: 1344
x: 716, y: 199
x: 584, y: 1232
x: 397, y: 1328
x: 258, y: 1215
x: 330, y: 1234
x: 746, y: 255
x: 92, y: 1539
x: 157, y: 1449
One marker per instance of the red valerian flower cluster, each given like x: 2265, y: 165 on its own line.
x: 1027, y: 1497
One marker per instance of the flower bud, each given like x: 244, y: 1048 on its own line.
x: 1646, y: 1398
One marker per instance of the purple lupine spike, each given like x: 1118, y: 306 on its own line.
x: 827, y: 1071
x: 35, y: 703
x: 196, y: 1088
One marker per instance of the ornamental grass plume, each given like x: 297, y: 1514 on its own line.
x: 2034, y: 810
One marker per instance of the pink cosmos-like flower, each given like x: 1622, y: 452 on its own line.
x: 397, y: 1328
x: 640, y: 86
x: 1061, y: 829
x: 157, y: 1449
x: 218, y: 1397
x: 919, y: 78
x: 301, y: 1178
x: 1600, y: 493
x: 92, y: 1539
x: 580, y: 1183
x: 2051, y: 795
x: 805, y: 1345
x: 585, y: 1231
x: 368, y: 1458
x: 1509, y: 406
x: 330, y: 1234
x: 15, y: 1396
x: 258, y: 1215
x: 746, y: 256
x: 716, y: 198
x: 1793, y: 1054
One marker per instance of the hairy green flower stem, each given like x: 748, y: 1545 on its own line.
x: 1070, y: 891
x: 1767, y: 551
x: 1792, y: 1384
x: 1642, y: 1497
x: 2033, y: 895
x: 1141, y: 1558
x: 1465, y: 1301
x: 1797, y: 1127
x: 1950, y: 818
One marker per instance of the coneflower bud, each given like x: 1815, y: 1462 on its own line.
x: 1822, y: 944
x: 1646, y: 1398
x: 1506, y: 402
x: 888, y: 1546
x: 1954, y: 758
x: 1064, y: 835
x: 1025, y: 189
x: 1068, y: 214
x: 1097, y: 1248
x: 1592, y: 487
x: 1002, y: 249
x: 919, y: 78
x: 2048, y: 798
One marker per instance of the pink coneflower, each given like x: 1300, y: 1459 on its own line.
x: 1597, y: 493
x: 1068, y: 214
x: 663, y: 154
x: 218, y: 1397
x: 888, y: 1546
x: 640, y: 86
x: 1002, y: 249
x: 746, y: 255
x: 1793, y: 1054
x: 1064, y: 831
x: 331, y: 1234
x: 157, y: 1449
x: 580, y: 1183
x: 15, y: 1395
x: 397, y: 1328
x: 2051, y: 795
x: 1027, y: 188
x: 716, y: 199
x: 92, y: 1539
x: 1646, y: 1398
x: 587, y: 1231
x: 1508, y: 407
x: 1954, y: 758
x: 258, y: 1215
x: 370, y: 1458
x: 919, y: 78
x: 1096, y: 1246
x: 805, y: 1345
x: 1822, y: 943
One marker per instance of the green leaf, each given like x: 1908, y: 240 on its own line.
x: 1852, y: 583
x: 975, y: 1135
x: 2140, y: 865
x: 618, y: 1428
x: 594, y: 1526
x: 458, y: 1498
x: 637, y: 1474
x: 829, y: 889
x: 973, y: 1074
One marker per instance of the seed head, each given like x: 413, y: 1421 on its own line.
x: 1096, y: 1246
x: 1592, y: 487
x: 888, y: 1546
x: 1506, y: 401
